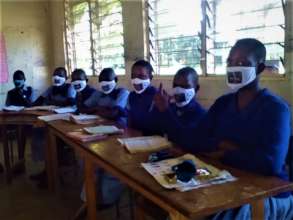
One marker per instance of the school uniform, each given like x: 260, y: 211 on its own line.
x: 54, y: 95
x: 261, y: 131
x: 116, y: 99
x: 20, y: 97
x: 177, y: 118
x: 109, y: 186
x: 83, y: 98
x: 59, y: 94
x: 139, y: 110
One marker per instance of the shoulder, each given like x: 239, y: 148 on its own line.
x: 273, y: 102
x: 122, y: 91
x: 224, y: 100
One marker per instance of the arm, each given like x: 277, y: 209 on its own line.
x: 268, y: 154
x: 8, y: 101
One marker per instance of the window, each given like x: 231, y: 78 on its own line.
x: 174, y: 38
x: 94, y: 35
x: 200, y: 33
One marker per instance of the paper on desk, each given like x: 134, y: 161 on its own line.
x: 159, y: 171
x: 55, y: 117
x: 84, y: 117
x: 13, y: 108
x: 103, y: 129
x: 69, y: 109
x: 145, y: 144
x: 42, y: 108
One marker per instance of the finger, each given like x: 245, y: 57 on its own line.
x: 160, y: 88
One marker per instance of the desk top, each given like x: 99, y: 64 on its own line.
x: 22, y: 117
x: 113, y: 157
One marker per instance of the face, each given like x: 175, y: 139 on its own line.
x: 77, y: 76
x: 140, y: 73
x: 59, y: 73
x: 107, y: 76
x: 239, y: 57
x: 18, y: 81
x: 185, y: 82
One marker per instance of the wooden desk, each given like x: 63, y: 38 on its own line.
x: 18, y: 119
x: 109, y: 155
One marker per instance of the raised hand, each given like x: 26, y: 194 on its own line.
x: 161, y: 99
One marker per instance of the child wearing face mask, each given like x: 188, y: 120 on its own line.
x: 140, y: 101
x: 84, y: 91
x: 21, y: 95
x: 180, y: 111
x: 109, y: 101
x: 60, y: 93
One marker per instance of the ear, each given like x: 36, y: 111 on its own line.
x: 260, y: 68
x: 116, y: 79
x: 151, y: 77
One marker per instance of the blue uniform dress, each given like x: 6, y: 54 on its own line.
x: 52, y: 96
x: 59, y: 94
x: 140, y: 111
x: 178, y: 118
x: 83, y: 98
x: 261, y: 131
x: 116, y: 99
x: 109, y: 186
x: 20, y: 97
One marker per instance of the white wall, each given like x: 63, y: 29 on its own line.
x: 26, y: 28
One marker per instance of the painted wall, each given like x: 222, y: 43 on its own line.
x: 26, y: 28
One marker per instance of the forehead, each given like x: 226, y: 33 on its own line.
x: 139, y: 70
x: 107, y: 75
x: 78, y: 75
x: 183, y: 80
x: 241, y: 56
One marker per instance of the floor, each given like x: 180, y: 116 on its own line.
x: 22, y: 200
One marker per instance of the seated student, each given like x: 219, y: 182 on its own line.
x: 60, y: 93
x: 185, y: 112
x: 109, y: 101
x: 84, y: 91
x: 140, y: 101
x: 21, y: 95
x: 249, y: 128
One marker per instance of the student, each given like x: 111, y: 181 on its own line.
x: 249, y: 128
x: 185, y: 112
x: 21, y: 95
x: 60, y: 93
x: 84, y: 91
x: 109, y: 101
x: 140, y: 101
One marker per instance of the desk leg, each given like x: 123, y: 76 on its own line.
x: 257, y: 210
x: 177, y: 216
x: 21, y: 142
x: 6, y: 155
x: 51, y: 160
x: 90, y: 188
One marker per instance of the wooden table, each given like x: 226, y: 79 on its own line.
x: 19, y: 120
x: 111, y: 156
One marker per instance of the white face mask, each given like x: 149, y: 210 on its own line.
x: 240, y: 76
x: 79, y: 85
x: 186, y: 94
x: 58, y: 80
x: 107, y: 86
x: 143, y: 83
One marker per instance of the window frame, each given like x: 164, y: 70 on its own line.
x: 203, y: 60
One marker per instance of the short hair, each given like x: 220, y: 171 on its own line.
x: 61, y: 69
x: 107, y: 71
x: 79, y: 72
x: 145, y: 64
x: 253, y: 46
x: 18, y: 74
x: 186, y: 71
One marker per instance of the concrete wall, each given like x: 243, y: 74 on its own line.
x: 26, y: 28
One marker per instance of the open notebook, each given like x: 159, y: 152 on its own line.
x: 81, y: 136
x: 145, y: 144
x: 103, y: 129
x: 42, y: 108
x: 206, y: 174
x: 55, y: 117
x: 69, y: 109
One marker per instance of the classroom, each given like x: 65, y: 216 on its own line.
x: 146, y: 109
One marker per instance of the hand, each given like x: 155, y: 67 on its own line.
x: 161, y: 99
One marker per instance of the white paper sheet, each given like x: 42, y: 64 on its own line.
x: 103, y: 129
x: 55, y: 117
x: 13, y: 108
x: 145, y: 144
x: 69, y: 109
